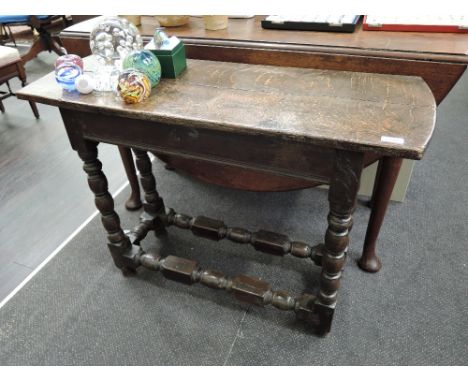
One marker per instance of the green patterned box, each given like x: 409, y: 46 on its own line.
x: 173, y: 61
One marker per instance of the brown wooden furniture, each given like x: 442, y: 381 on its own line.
x: 11, y: 66
x: 45, y: 40
x: 439, y: 58
x: 308, y: 124
x: 39, y: 24
x: 6, y: 35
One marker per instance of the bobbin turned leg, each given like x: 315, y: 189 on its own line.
x: 342, y: 195
x: 125, y: 254
x: 154, y: 204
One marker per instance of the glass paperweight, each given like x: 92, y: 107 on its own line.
x: 133, y: 86
x: 69, y: 58
x: 105, y: 77
x: 160, y: 38
x: 84, y: 83
x: 111, y: 40
x: 67, y: 69
x: 146, y: 62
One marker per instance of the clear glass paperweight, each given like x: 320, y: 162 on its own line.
x: 111, y: 40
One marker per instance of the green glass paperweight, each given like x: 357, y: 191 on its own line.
x: 146, y: 62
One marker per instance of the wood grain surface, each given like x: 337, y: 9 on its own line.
x: 339, y: 109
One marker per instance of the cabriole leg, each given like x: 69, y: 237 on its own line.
x: 389, y: 169
x: 134, y: 201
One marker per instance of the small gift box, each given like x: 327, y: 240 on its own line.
x: 171, y: 57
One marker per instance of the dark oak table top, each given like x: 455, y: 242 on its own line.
x: 331, y: 108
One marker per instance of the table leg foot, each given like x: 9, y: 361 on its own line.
x: 128, y: 272
x: 370, y: 262
x: 133, y: 203
x: 325, y: 319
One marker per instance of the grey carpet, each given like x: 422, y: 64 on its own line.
x: 79, y: 310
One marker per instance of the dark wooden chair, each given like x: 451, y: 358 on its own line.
x: 6, y: 35
x: 45, y: 41
x: 11, y: 66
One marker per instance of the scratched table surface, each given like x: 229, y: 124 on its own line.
x: 387, y: 114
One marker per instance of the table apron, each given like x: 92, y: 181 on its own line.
x: 265, y: 153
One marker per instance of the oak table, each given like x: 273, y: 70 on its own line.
x: 439, y: 58
x: 308, y: 124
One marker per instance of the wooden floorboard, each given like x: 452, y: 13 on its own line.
x: 11, y: 275
x: 44, y: 195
